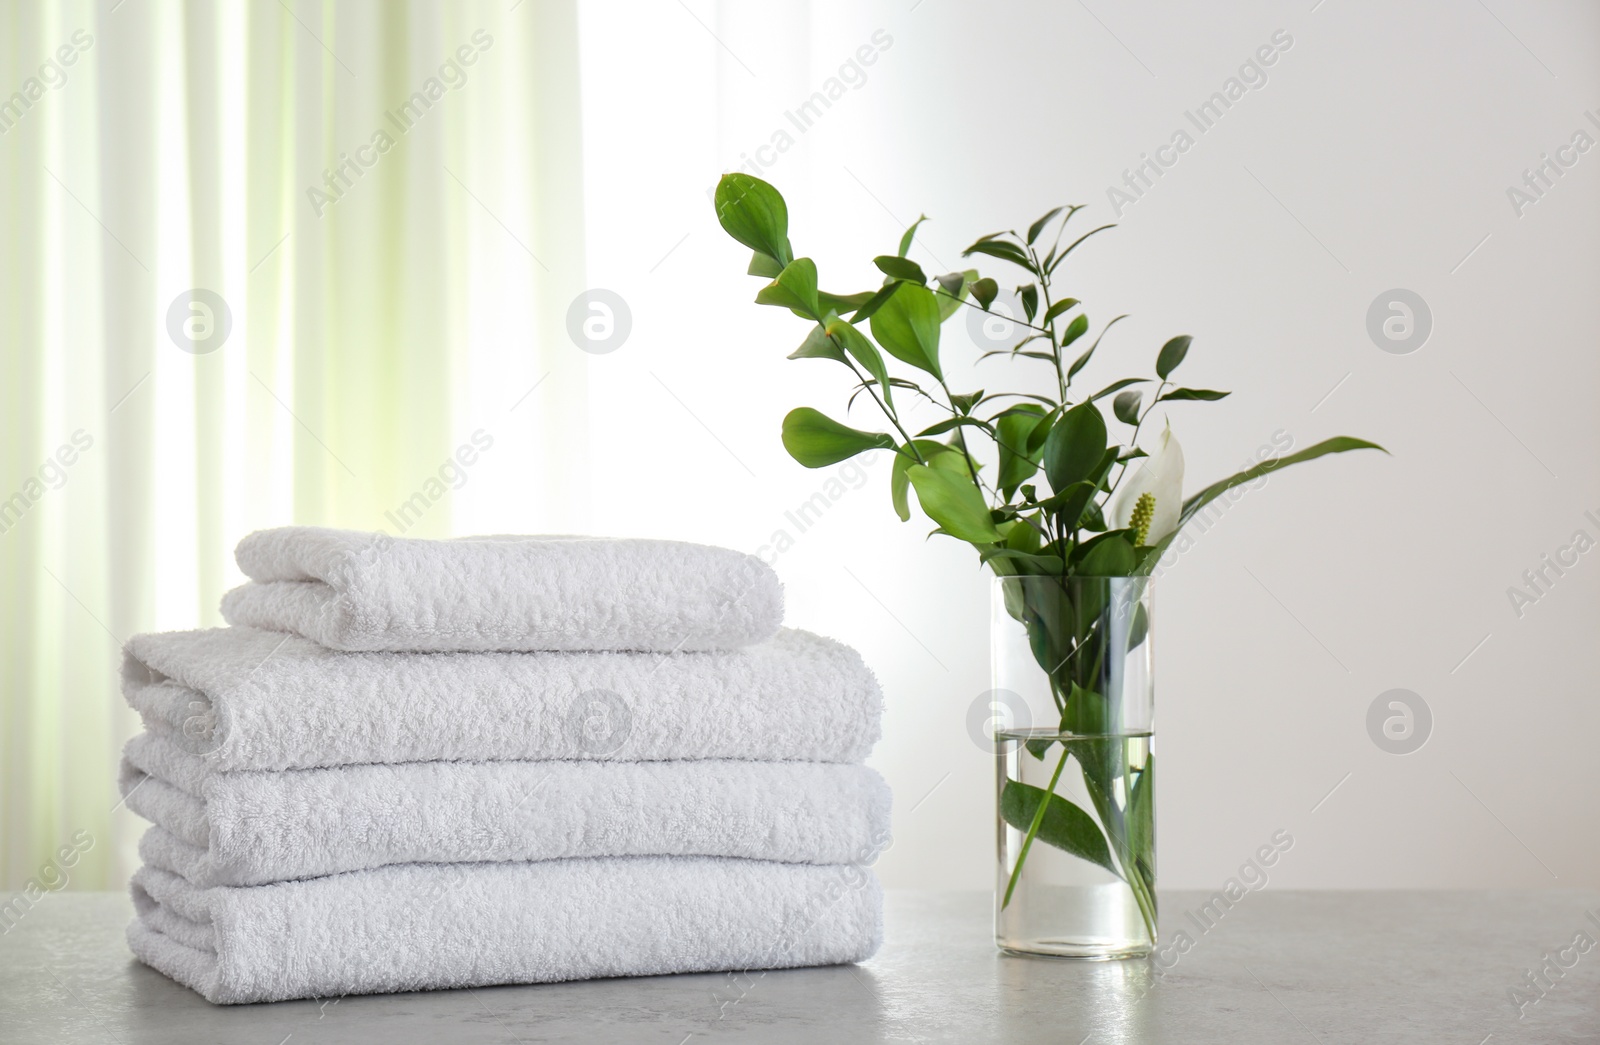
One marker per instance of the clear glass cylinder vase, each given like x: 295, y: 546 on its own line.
x: 1075, y: 767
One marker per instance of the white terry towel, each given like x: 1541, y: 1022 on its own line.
x: 251, y: 699
x: 252, y: 828
x: 426, y: 926
x: 364, y: 591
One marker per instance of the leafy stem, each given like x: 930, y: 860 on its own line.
x: 892, y: 415
x: 1055, y: 341
x: 1051, y: 462
x: 1033, y: 828
x: 1014, y: 321
x: 1133, y: 440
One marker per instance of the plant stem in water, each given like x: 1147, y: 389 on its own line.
x: 1033, y: 828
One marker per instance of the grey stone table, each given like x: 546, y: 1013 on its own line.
x: 1312, y: 968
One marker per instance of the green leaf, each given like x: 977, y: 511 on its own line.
x: 953, y: 503
x: 1037, y: 438
x: 795, y: 289
x: 1002, y: 250
x: 1172, y: 354
x: 1075, y: 330
x: 1083, y: 360
x: 1063, y: 255
x: 1030, y: 563
x: 818, y: 345
x: 905, y: 240
x: 1049, y: 259
x: 965, y: 401
x: 900, y: 268
x: 907, y: 326
x: 1337, y: 445
x: 1117, y: 386
x: 1109, y: 555
x: 951, y: 423
x: 1064, y: 825
x: 897, y: 382
x: 1141, y: 819
x: 1092, y: 519
x: 842, y: 303
x: 1203, y: 394
x: 1068, y: 505
x: 1038, y: 226
x: 1030, y: 300
x: 899, y: 482
x: 816, y: 440
x: 953, y: 290
x: 863, y: 351
x: 953, y: 462
x: 1126, y: 407
x: 1087, y: 711
x: 753, y: 212
x: 985, y: 290
x: 1139, y: 630
x: 1020, y: 536
x: 874, y: 303
x: 1047, y: 613
x: 1075, y: 446
x: 992, y: 396
x: 1017, y: 463
x: 764, y: 266
x: 1064, y: 305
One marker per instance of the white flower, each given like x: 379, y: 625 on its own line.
x: 1161, y: 476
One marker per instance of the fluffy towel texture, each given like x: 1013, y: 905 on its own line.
x: 252, y: 828
x: 363, y: 591
x: 251, y: 699
x: 424, y: 926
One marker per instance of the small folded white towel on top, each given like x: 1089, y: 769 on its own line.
x: 252, y: 828
x: 363, y: 591
x: 251, y: 699
x: 424, y: 926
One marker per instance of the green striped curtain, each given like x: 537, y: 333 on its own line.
x: 265, y: 263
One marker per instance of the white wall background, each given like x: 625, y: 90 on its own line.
x: 1377, y: 155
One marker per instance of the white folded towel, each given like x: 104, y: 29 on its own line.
x: 251, y: 699
x: 362, y: 591
x: 424, y: 926
x: 252, y: 828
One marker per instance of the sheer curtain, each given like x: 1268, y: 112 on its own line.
x: 265, y: 262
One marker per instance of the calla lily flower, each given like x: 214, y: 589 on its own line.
x: 1161, y: 476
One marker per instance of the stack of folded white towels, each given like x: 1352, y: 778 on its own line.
x: 419, y: 764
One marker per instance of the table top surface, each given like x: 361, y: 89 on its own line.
x: 1279, y: 967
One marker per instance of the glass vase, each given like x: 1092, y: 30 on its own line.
x: 1075, y: 767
